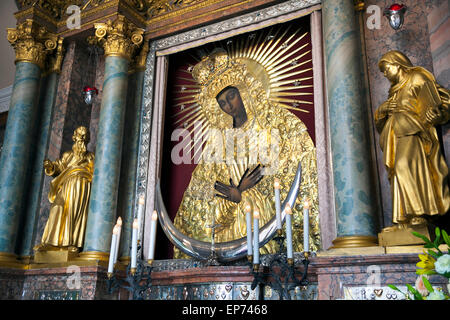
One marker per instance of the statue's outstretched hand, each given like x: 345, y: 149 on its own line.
x: 49, y: 167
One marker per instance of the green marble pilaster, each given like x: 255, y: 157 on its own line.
x: 129, y: 160
x: 355, y: 187
x: 105, y: 182
x: 46, y: 103
x: 16, y: 152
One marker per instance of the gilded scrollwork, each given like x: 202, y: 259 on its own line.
x: 119, y: 37
x: 141, y: 58
x: 55, y: 61
x: 32, y: 42
x: 157, y: 7
x: 55, y: 8
x: 147, y: 8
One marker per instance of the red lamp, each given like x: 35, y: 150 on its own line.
x: 88, y: 94
x: 395, y: 14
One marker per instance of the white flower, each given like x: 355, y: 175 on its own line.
x: 442, y: 265
x: 436, y: 295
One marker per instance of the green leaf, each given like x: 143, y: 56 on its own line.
x: 417, y: 295
x: 434, y: 254
x: 394, y: 287
x: 437, y: 241
x: 410, y: 288
x: 427, y: 284
x: 429, y: 272
x: 438, y: 232
x: 424, y: 238
x: 446, y: 238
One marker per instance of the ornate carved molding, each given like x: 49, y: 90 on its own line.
x: 141, y: 59
x: 119, y: 37
x: 32, y: 42
x: 158, y: 17
x: 146, y: 8
x: 52, y: 7
x: 158, y: 7
x: 55, y: 61
x: 234, y: 23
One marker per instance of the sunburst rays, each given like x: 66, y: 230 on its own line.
x: 282, y: 57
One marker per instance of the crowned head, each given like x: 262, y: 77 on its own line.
x: 211, y: 66
x: 219, y: 71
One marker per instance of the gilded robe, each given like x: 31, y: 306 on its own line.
x: 416, y: 167
x: 194, y: 216
x: 69, y: 197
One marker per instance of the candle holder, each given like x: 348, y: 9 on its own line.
x: 213, y: 259
x: 137, y: 280
x: 282, y: 271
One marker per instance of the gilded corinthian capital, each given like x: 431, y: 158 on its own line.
x: 55, y: 61
x: 32, y: 42
x: 119, y: 37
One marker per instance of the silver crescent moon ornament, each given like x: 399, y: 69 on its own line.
x: 229, y: 250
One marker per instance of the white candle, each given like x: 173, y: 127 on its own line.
x: 112, y: 250
x: 288, y: 211
x: 140, y: 213
x: 248, y: 217
x: 151, y: 249
x: 256, y: 237
x: 134, y: 243
x: 119, y: 228
x: 277, y: 203
x: 306, y: 206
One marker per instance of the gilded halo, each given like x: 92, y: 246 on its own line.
x: 278, y: 58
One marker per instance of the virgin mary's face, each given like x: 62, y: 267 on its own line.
x: 390, y: 71
x: 230, y: 101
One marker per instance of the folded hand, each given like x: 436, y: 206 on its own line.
x: 233, y: 192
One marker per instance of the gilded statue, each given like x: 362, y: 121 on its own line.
x: 69, y: 195
x: 229, y: 175
x: 406, y: 121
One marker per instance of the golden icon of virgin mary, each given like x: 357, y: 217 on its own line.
x: 250, y: 142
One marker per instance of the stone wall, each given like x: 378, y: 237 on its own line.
x: 59, y: 283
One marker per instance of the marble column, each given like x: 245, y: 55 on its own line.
x: 47, y: 98
x: 354, y: 182
x: 31, y: 44
x: 130, y: 155
x: 119, y: 39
